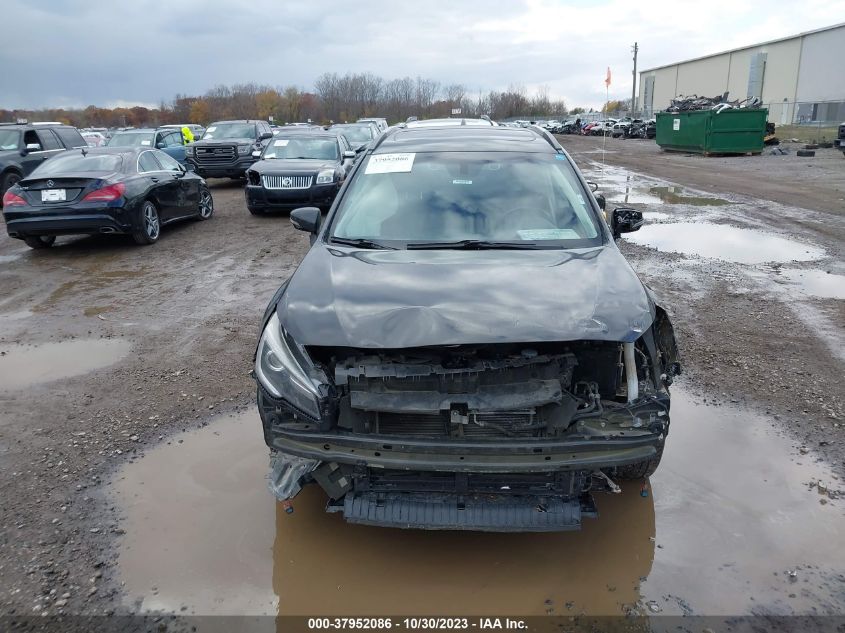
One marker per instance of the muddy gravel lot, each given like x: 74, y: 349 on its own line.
x: 132, y: 459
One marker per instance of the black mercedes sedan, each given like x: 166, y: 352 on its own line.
x: 464, y: 347
x: 132, y: 191
x: 301, y: 168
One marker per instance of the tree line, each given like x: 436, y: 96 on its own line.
x: 334, y: 98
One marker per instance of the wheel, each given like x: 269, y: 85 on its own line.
x: 811, y: 146
x: 641, y: 470
x: 206, y: 208
x: 40, y: 241
x: 805, y: 153
x: 149, y: 224
x: 255, y: 211
x: 9, y: 180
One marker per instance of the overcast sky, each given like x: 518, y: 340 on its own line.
x: 74, y: 53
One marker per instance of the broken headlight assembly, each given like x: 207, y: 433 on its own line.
x: 281, y: 374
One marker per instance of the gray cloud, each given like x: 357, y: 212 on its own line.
x: 77, y: 53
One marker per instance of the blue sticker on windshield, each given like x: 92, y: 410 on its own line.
x: 560, y: 157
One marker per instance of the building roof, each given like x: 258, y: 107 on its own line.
x: 742, y: 48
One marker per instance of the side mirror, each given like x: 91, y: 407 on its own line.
x: 256, y: 153
x: 602, y: 201
x: 189, y: 167
x: 625, y: 220
x: 32, y: 147
x: 161, y: 145
x: 349, y: 154
x: 265, y: 135
x: 306, y: 219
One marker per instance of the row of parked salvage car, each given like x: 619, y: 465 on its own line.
x: 144, y: 179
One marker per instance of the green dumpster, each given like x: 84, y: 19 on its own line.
x: 731, y: 131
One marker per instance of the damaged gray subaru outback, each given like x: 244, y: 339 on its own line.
x: 464, y: 347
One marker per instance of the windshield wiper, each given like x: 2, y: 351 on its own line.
x: 472, y: 245
x: 361, y: 242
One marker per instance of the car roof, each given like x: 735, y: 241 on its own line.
x: 31, y: 126
x: 467, y: 138
x: 110, y: 150
x: 450, y: 121
x: 321, y: 134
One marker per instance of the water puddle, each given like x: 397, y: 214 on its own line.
x: 722, y: 241
x: 816, y: 283
x: 22, y: 366
x: 676, y: 195
x: 729, y: 509
x: 5, y: 259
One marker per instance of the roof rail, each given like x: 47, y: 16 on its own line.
x: 551, y: 140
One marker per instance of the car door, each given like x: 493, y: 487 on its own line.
x: 164, y: 187
x: 171, y: 144
x: 33, y: 157
x: 187, y: 189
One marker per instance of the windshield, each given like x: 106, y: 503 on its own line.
x: 356, y: 133
x: 523, y: 199
x: 76, y: 162
x: 230, y: 130
x: 301, y: 146
x: 132, y: 139
x: 9, y: 139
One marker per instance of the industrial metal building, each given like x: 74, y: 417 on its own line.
x: 800, y: 79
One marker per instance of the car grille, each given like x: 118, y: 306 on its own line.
x: 496, y: 424
x: 216, y: 155
x: 286, y: 182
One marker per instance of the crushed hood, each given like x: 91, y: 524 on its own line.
x: 395, y: 299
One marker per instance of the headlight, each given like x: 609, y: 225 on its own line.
x: 189, y: 149
x: 279, y: 372
x: 243, y: 150
x: 325, y: 177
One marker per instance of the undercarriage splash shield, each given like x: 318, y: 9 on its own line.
x: 480, y: 513
x: 286, y: 473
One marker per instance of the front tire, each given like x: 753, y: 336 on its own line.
x: 149, y: 225
x: 206, y: 207
x: 40, y: 241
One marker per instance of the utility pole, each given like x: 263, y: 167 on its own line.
x: 634, y: 82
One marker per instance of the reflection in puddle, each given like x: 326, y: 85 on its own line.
x: 817, y: 283
x: 721, y: 241
x: 204, y: 532
x: 25, y: 365
x: 675, y: 195
x: 5, y: 259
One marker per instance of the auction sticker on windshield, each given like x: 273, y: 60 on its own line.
x: 390, y: 163
x: 282, y: 142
